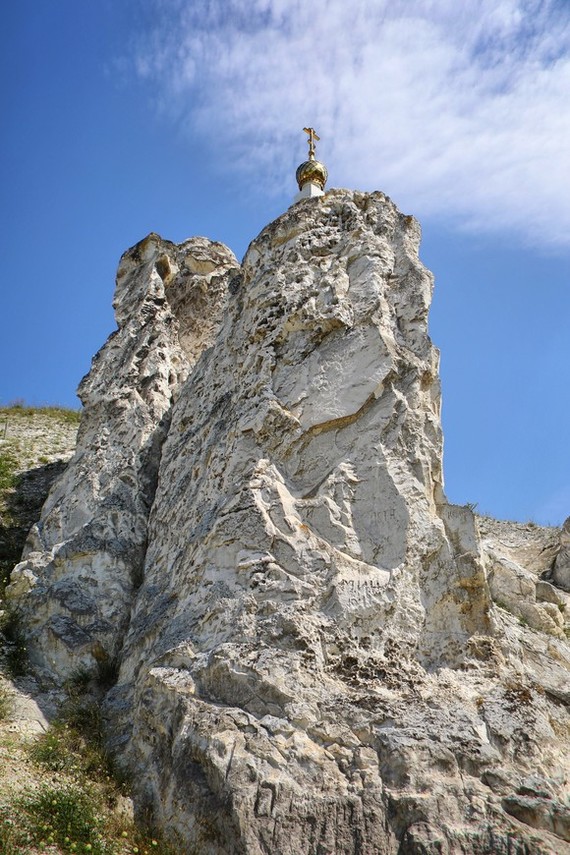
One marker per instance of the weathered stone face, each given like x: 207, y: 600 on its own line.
x: 311, y: 436
x: 561, y: 570
x: 320, y: 654
x: 83, y: 560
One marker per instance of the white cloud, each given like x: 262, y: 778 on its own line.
x: 458, y: 110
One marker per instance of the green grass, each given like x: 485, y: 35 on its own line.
x: 71, y: 817
x: 51, y: 752
x: 76, y: 812
x: 63, y: 748
x: 75, y: 741
x: 81, y: 811
x: 64, y: 414
x: 62, y: 816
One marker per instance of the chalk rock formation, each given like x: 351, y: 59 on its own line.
x: 83, y: 560
x: 318, y: 654
x: 561, y: 569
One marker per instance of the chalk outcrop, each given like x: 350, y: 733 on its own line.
x: 561, y: 569
x: 318, y: 654
x: 84, y: 558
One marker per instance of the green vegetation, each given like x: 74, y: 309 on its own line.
x: 79, y: 811
x: 75, y: 741
x: 64, y: 748
x: 9, y: 550
x: 8, y: 467
x: 21, y: 409
x: 7, y: 562
x: 70, y: 819
x: 64, y: 817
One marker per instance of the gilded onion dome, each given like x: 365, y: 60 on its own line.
x: 312, y: 171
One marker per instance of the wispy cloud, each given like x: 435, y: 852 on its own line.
x: 458, y: 110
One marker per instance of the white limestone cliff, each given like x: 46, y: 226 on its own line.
x: 318, y: 654
x: 83, y: 559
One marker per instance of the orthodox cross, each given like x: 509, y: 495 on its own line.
x: 312, y: 137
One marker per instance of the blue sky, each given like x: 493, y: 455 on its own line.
x: 185, y: 118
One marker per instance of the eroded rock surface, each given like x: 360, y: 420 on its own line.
x: 561, y: 569
x: 323, y: 656
x: 83, y: 560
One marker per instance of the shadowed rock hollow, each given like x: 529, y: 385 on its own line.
x: 318, y: 654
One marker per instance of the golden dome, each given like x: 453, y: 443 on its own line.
x: 312, y: 171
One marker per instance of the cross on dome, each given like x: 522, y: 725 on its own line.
x: 311, y: 175
x: 312, y: 137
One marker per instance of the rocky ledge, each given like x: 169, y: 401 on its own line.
x: 316, y: 653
